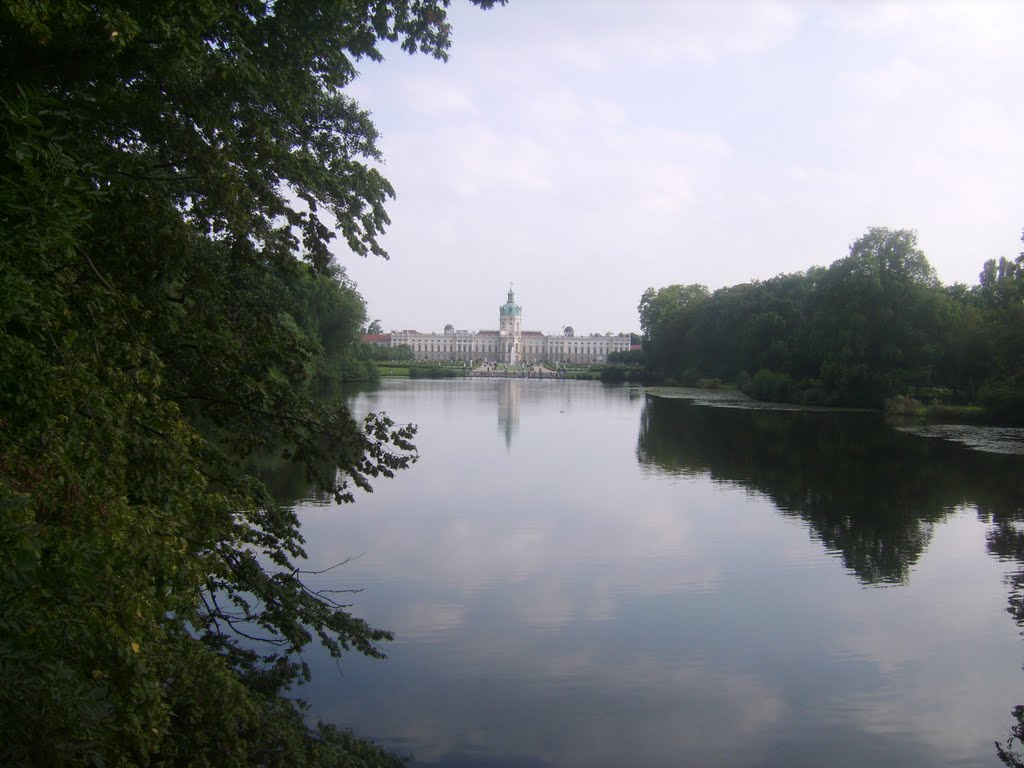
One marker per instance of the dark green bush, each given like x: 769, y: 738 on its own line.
x: 773, y: 387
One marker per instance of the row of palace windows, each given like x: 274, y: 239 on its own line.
x: 573, y: 347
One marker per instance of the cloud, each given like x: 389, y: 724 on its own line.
x: 897, y: 79
x: 590, y: 152
x: 988, y: 29
x: 432, y: 94
x: 659, y: 35
x: 709, y: 33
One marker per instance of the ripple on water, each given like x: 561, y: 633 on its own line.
x: 732, y: 398
x: 1009, y: 440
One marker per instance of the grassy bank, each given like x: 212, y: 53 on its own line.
x: 903, y: 407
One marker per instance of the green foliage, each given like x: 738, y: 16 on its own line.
x: 612, y: 374
x: 709, y: 383
x: 402, y: 352
x: 903, y: 406
x: 628, y: 357
x: 436, y: 371
x: 171, y: 176
x: 771, y: 386
x: 874, y: 325
x: 378, y: 353
x: 667, y: 315
x: 1004, y: 400
x: 1002, y: 283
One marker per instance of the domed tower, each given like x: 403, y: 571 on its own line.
x: 510, y: 318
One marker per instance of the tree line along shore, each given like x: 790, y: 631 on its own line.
x: 874, y: 329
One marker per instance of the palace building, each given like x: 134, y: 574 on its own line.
x: 509, y: 345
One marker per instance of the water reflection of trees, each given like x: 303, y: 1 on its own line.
x: 868, y: 492
x: 289, y: 480
x: 1006, y: 542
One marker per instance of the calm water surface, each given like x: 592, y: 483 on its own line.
x: 580, y: 575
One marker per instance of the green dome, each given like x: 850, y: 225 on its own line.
x: 510, y: 308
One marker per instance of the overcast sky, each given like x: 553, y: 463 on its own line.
x: 585, y: 150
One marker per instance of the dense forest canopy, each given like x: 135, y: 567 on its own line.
x: 871, y: 326
x: 171, y: 177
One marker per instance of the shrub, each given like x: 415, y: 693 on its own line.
x: 773, y: 387
x: 903, y: 405
x: 1004, y: 400
x: 613, y: 375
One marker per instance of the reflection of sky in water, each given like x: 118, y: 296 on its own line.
x: 555, y: 605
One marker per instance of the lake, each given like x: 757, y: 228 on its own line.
x: 586, y: 575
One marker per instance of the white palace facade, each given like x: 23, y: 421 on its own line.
x: 509, y: 345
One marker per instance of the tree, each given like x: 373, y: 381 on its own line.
x: 879, y: 320
x: 374, y: 327
x: 627, y: 357
x: 873, y: 324
x: 171, y: 177
x: 891, y: 256
x: 1000, y: 299
x: 665, y: 316
x: 1001, y: 283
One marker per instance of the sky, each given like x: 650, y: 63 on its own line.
x: 585, y: 150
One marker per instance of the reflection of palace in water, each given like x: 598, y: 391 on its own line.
x: 509, y: 391
x: 509, y: 345
x: 548, y: 398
